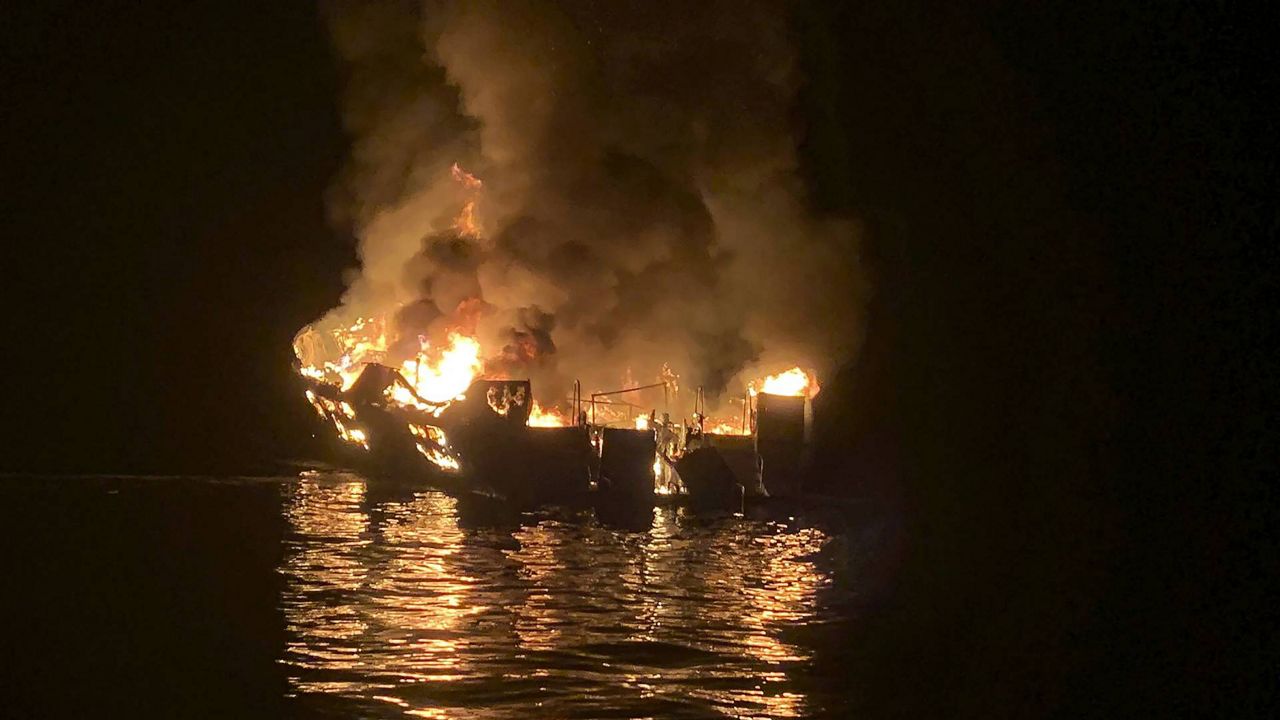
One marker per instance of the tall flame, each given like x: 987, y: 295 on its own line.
x: 466, y: 222
x: 448, y: 377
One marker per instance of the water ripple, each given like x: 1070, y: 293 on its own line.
x: 394, y: 610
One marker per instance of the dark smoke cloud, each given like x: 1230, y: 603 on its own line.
x: 641, y: 203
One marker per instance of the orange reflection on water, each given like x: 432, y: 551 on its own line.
x: 388, y: 592
x: 395, y: 609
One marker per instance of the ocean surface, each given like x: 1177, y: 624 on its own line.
x: 321, y: 594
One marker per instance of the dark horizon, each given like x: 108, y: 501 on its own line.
x: 1070, y: 227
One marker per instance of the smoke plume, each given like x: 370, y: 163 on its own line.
x: 640, y: 202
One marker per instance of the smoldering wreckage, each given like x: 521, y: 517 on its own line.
x: 629, y: 298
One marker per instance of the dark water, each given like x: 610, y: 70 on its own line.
x: 319, y: 595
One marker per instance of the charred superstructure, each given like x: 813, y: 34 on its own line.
x: 780, y: 441
x: 480, y: 442
x: 488, y: 441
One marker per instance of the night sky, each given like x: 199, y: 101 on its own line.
x: 168, y: 228
x: 1072, y: 220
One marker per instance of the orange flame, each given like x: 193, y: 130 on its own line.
x: 538, y: 417
x: 721, y: 427
x: 466, y: 222
x: 468, y: 181
x: 447, y: 378
x: 433, y: 445
x: 793, y: 382
x: 437, y: 375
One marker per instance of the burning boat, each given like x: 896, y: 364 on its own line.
x: 491, y: 438
x: 432, y: 383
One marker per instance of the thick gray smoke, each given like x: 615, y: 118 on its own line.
x: 640, y: 206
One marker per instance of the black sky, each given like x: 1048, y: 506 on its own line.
x: 1073, y: 224
x: 167, y: 228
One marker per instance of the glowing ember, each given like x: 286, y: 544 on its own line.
x: 792, y: 382
x: 724, y: 428
x: 437, y: 453
x: 315, y: 403
x: 438, y: 458
x: 642, y: 422
x: 353, y: 435
x: 429, y: 432
x: 502, y: 398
